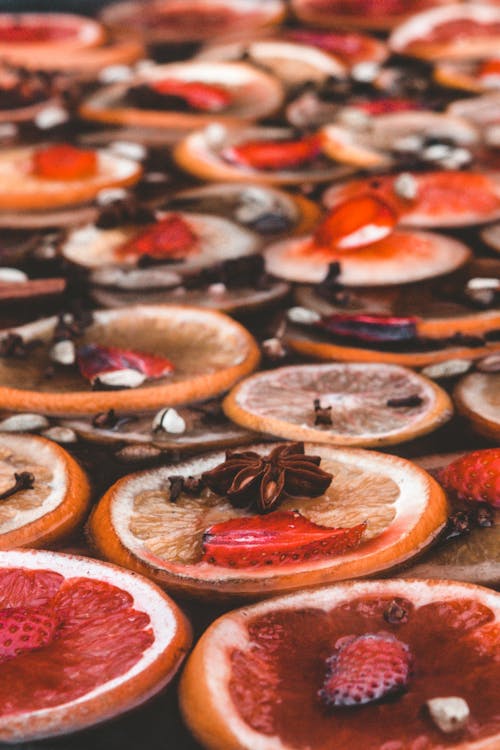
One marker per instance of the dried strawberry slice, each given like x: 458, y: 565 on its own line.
x: 25, y: 32
x: 355, y: 223
x: 274, y: 155
x: 474, y: 477
x: 371, y: 328
x: 205, y: 97
x: 25, y: 629
x: 388, y: 106
x: 171, y: 237
x: 365, y: 669
x: 280, y: 538
x: 62, y: 161
x: 95, y: 360
x: 489, y: 72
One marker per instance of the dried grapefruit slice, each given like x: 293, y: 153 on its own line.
x: 137, y: 525
x: 460, y: 32
x: 22, y: 189
x: 209, y: 352
x: 191, y: 20
x: 364, y: 14
x: 209, y: 155
x: 398, y: 258
x: 253, y: 678
x: 371, y: 404
x: 122, y: 636
x: 477, y: 396
x: 437, y: 199
x: 50, y: 506
x: 249, y: 94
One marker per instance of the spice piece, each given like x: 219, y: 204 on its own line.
x: 23, y: 481
x: 176, y: 486
x: 249, y: 478
x: 409, y: 401
x: 396, y: 613
x: 458, y: 524
x: 322, y: 414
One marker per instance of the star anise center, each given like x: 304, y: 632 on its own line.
x: 250, y: 479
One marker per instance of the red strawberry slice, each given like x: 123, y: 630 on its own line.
x: 205, y: 97
x: 489, y: 72
x: 340, y: 43
x: 25, y: 629
x: 274, y: 155
x: 171, y: 237
x: 355, y: 223
x: 280, y: 538
x: 371, y: 328
x: 387, y: 106
x: 95, y: 360
x: 25, y: 32
x: 474, y: 477
x: 64, y: 162
x: 365, y: 669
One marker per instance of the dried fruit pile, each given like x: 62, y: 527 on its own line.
x: 244, y: 245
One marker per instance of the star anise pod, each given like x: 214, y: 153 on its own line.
x: 286, y: 471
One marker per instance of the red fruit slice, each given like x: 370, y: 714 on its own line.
x: 278, y: 538
x: 24, y: 629
x: 372, y: 328
x: 171, y: 237
x: 16, y: 34
x: 376, y: 14
x: 388, y: 106
x: 365, y: 669
x: 94, y: 361
x: 202, y: 96
x: 474, y: 477
x: 489, y: 72
x: 41, y: 32
x: 274, y: 155
x: 355, y: 223
x: 441, y: 199
x: 64, y: 162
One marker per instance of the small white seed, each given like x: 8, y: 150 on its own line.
x: 217, y: 290
x: 109, y: 195
x: 483, y: 283
x: 215, y: 134
x: 448, y: 369
x: 129, y: 149
x: 436, y: 152
x: 61, y: 434
x: 303, y: 316
x: 50, y: 117
x: 409, y: 143
x: 169, y: 420
x: 63, y: 352
x: 12, y: 276
x: 354, y: 118
x: 449, y: 714
x: 366, y: 71
x: 406, y: 186
x: 115, y: 74
x: 24, y: 423
x: 126, y: 378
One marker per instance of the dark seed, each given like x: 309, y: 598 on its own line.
x: 176, y: 486
x: 409, y: 401
x: 396, y: 614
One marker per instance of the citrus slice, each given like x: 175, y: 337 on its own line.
x: 204, y: 154
x: 209, y: 352
x: 474, y: 76
x: 191, y: 20
x: 371, y: 404
x: 87, y: 64
x: 372, y: 144
x: 137, y: 525
x: 22, y: 189
x: 50, y: 506
x: 122, y: 636
x: 248, y: 94
x: 399, y: 258
x: 208, y: 240
x: 367, y: 14
x: 471, y: 556
x: 254, y: 677
x: 263, y: 209
x: 461, y: 32
x: 437, y: 199
x: 477, y: 397
x: 442, y: 307
x: 292, y: 62
x: 24, y: 36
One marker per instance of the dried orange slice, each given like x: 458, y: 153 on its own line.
x: 173, y: 21
x: 87, y: 64
x: 21, y: 189
x: 209, y: 352
x: 477, y: 396
x: 435, y: 199
x: 123, y: 637
x: 460, y: 32
x: 246, y: 93
x: 137, y: 525
x: 48, y: 508
x: 207, y: 154
x: 254, y: 677
x: 359, y: 14
x: 474, y: 76
x: 371, y: 404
